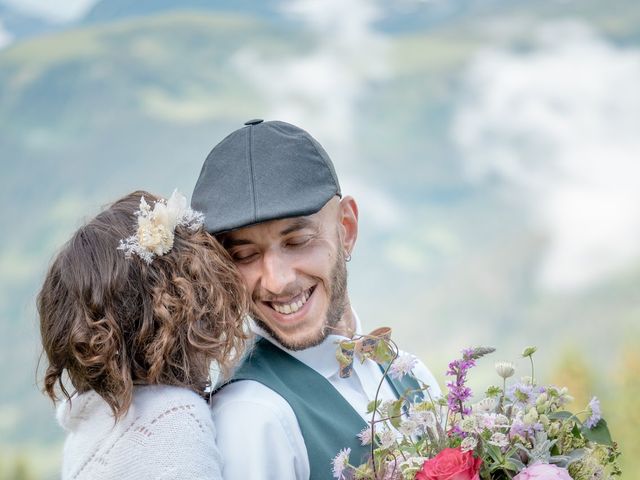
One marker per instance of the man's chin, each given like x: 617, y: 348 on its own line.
x: 292, y: 341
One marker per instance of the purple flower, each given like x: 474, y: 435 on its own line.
x: 594, y: 413
x: 518, y: 428
x: 522, y: 395
x: 458, y: 391
x: 456, y: 431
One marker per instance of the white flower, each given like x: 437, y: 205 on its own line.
x: 365, y: 436
x: 487, y: 421
x: 502, y: 420
x: 340, y: 461
x: 505, y: 369
x: 408, y: 428
x: 469, y: 424
x: 387, y: 438
x: 468, y: 444
x: 385, y: 408
x: 155, y: 233
x: 499, y: 440
x: 423, y: 418
x: 492, y: 421
x: 487, y: 405
x: 156, y: 238
x: 402, y: 365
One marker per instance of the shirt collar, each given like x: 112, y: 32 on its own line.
x: 322, y: 357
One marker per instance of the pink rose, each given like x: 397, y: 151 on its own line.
x: 543, y: 471
x: 451, y: 464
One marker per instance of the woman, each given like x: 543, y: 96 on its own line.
x: 133, y: 311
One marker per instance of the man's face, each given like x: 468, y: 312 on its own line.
x: 296, y: 273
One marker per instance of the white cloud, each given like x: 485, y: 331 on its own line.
x: 5, y: 36
x: 560, y: 126
x: 375, y: 205
x: 53, y: 10
x: 322, y: 88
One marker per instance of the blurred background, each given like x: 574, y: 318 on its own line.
x: 492, y: 146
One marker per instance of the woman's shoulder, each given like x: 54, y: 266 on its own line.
x: 154, y: 403
x: 176, y: 426
x: 168, y: 432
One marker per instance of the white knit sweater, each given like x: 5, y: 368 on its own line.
x: 167, y: 434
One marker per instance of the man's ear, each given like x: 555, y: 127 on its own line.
x: 348, y: 218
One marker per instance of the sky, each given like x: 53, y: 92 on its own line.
x: 52, y: 10
x: 5, y: 36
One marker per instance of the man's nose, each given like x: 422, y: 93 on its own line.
x: 277, y: 273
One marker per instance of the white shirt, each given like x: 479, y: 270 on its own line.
x: 167, y: 434
x: 258, y: 434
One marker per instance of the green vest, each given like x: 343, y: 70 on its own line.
x: 327, y: 421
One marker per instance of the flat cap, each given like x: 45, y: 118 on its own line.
x: 263, y: 171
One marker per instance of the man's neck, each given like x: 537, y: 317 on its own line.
x: 346, y: 326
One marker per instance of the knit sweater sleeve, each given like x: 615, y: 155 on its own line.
x: 180, y: 442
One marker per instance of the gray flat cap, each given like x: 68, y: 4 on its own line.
x: 263, y: 171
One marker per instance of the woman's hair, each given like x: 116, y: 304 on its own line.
x: 113, y: 322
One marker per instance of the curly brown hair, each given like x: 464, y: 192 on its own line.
x: 112, y: 322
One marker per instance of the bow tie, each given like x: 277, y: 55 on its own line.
x: 377, y: 346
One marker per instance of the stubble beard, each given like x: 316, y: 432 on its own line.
x: 335, y: 311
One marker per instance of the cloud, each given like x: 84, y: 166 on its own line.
x: 375, y: 205
x: 558, y: 126
x: 322, y: 88
x: 5, y: 36
x: 53, y: 10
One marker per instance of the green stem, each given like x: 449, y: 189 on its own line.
x: 575, y: 415
x: 533, y: 381
x: 504, y: 392
x: 396, y: 352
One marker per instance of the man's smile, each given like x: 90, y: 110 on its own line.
x: 288, y: 312
x: 292, y: 305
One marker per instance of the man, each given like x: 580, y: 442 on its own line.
x: 270, y: 193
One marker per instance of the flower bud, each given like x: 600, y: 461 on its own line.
x: 531, y: 416
x: 544, y: 420
x: 542, y: 398
x: 505, y: 369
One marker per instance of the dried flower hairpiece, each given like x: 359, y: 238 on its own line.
x: 156, y: 226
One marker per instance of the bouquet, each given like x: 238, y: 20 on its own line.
x: 517, y: 430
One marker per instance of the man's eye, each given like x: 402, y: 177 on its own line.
x: 244, y: 257
x: 298, y: 242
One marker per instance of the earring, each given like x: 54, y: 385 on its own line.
x: 347, y: 257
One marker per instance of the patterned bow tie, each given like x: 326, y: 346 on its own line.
x: 377, y: 346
